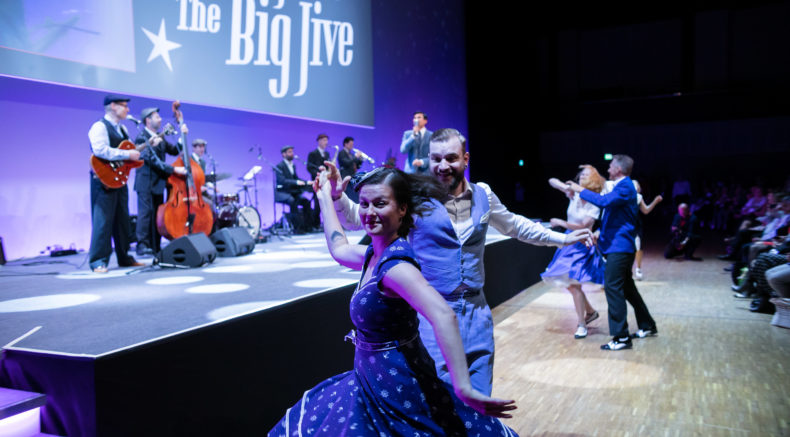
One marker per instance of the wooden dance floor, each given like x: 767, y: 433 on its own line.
x: 715, y: 369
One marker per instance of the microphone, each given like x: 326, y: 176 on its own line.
x: 133, y: 120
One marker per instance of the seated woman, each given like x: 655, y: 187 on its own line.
x: 393, y: 389
x: 575, y: 264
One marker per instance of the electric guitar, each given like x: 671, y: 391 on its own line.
x: 114, y: 174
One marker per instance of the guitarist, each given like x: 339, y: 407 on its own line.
x: 110, y: 206
x: 149, y: 182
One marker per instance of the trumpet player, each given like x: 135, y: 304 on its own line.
x: 349, y: 161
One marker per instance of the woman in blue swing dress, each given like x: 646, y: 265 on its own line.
x: 393, y: 389
x: 576, y: 264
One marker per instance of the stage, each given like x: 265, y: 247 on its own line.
x: 216, y: 350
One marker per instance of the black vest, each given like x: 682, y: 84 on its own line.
x: 115, y: 139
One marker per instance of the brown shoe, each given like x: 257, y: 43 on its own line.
x: 100, y: 269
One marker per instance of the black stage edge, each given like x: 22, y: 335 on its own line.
x: 236, y: 377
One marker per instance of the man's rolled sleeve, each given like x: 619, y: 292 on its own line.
x: 348, y: 213
x: 517, y: 226
x: 100, y: 144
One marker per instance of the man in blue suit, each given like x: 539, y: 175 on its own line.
x: 618, y: 229
x: 416, y: 145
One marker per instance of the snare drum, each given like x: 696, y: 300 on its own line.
x: 229, y: 198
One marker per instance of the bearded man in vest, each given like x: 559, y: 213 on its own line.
x: 449, y: 242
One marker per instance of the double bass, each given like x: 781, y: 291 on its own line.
x: 185, y: 211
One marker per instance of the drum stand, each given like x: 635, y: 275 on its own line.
x: 241, y: 218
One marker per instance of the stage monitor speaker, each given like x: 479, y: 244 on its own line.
x: 233, y: 241
x: 192, y: 250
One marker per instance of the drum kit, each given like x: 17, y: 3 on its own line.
x: 236, y: 209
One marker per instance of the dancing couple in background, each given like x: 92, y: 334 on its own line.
x: 616, y: 242
x: 577, y: 264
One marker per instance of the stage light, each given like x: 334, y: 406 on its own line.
x: 521, y: 163
x: 607, y: 156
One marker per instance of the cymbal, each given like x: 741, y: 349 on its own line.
x: 214, y: 177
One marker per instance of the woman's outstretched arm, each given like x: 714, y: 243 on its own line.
x: 407, y: 282
x: 348, y: 255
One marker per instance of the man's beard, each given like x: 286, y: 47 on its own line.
x: 456, y: 181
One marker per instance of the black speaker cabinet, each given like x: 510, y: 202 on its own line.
x: 233, y: 242
x: 192, y: 250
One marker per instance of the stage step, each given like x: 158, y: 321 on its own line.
x: 20, y: 413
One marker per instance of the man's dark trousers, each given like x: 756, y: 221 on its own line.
x: 619, y: 287
x: 110, y: 216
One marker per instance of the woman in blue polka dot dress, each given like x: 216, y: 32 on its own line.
x: 393, y: 389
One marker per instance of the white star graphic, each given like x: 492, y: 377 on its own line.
x: 162, y: 46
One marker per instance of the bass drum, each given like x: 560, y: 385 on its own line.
x: 249, y: 219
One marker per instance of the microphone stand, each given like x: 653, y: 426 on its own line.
x: 214, y: 172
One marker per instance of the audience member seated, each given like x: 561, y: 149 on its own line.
x: 754, y: 207
x: 685, y: 235
x: 755, y: 282
x: 750, y: 242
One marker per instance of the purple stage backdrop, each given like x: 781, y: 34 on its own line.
x: 418, y: 64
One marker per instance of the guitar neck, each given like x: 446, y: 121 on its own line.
x: 141, y: 146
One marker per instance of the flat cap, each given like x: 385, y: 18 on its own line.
x: 110, y: 98
x: 146, y: 112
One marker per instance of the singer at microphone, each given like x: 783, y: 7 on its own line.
x: 415, y: 144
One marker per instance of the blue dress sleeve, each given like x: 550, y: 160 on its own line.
x: 398, y: 252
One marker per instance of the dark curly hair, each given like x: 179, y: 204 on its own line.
x: 411, y: 190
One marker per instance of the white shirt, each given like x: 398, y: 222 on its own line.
x: 100, y: 141
x: 498, y: 216
x: 578, y: 210
x: 290, y: 165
